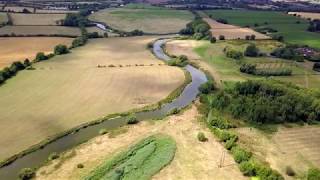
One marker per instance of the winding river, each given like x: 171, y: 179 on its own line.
x: 38, y: 157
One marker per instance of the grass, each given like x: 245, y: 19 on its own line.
x: 149, y: 20
x: 229, y: 69
x: 40, y: 30
x: 3, y: 18
x: 36, y: 19
x: 27, y: 47
x: 70, y: 90
x: 285, y: 24
x: 140, y: 161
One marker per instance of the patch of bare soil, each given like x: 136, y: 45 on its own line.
x: 193, y: 159
x: 298, y: 147
x: 232, y: 31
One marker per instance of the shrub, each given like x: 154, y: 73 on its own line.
x: 224, y: 135
x: 201, y: 137
x: 26, y: 174
x: 40, y: 57
x: 53, y: 156
x: 247, y: 168
x: 221, y: 37
x: 26, y: 63
x: 316, y: 66
x: 93, y: 35
x: 80, y: 166
x: 240, y: 154
x: 313, y: 174
x: 248, y: 68
x: 173, y: 111
x: 79, y: 41
x: 61, y: 49
x: 231, y: 53
x: 181, y: 61
x: 132, y: 119
x: 290, y: 171
x: 213, y: 39
x: 223, y: 21
x: 207, y: 87
x: 231, y: 143
x: 251, y: 51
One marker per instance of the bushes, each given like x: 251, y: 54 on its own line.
x: 207, y: 87
x: 252, y: 51
x: 240, y: 155
x: 41, y: 57
x: 53, y: 156
x: 132, y: 119
x: 316, y: 66
x: 181, y: 61
x: 287, y: 53
x: 26, y: 174
x: 247, y: 168
x: 79, y: 41
x: 290, y: 171
x: 248, y: 68
x: 313, y: 174
x: 60, y: 49
x: 201, y: 137
x: 231, y: 53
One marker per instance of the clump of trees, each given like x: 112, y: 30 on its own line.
x: 252, y: 69
x: 61, y: 49
x: 26, y: 174
x: 12, y: 70
x: 180, y: 61
x: 269, y: 101
x: 231, y: 53
x: 207, y: 87
x: 314, y: 25
x: 75, y: 20
x: 316, y: 66
x: 252, y: 51
x: 287, y: 53
x: 198, y: 29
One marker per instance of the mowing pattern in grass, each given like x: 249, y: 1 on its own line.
x: 286, y: 25
x: 36, y: 19
x: 140, y: 161
x: 150, y: 20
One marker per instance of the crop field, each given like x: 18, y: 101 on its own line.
x: 285, y: 24
x: 27, y: 47
x: 17, y: 8
x: 297, y: 147
x: 70, y: 90
x: 193, y: 159
x: 140, y: 161
x: 225, y: 69
x: 3, y: 18
x: 306, y: 15
x: 149, y: 20
x: 36, y: 19
x: 39, y: 30
x: 232, y: 31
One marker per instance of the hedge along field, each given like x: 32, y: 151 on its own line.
x: 285, y: 24
x: 140, y: 161
x: 149, y: 20
x: 36, y: 19
x: 40, y: 30
x: 3, y: 18
x: 70, y: 90
x: 20, y: 48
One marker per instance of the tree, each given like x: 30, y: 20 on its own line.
x: 252, y: 51
x: 41, y: 56
x: 221, y: 37
x: 60, y: 49
x: 26, y: 62
x: 213, y: 39
x: 316, y: 66
x: 26, y: 174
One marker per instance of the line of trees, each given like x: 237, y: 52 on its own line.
x: 13, y: 69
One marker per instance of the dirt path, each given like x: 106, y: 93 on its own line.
x: 193, y: 159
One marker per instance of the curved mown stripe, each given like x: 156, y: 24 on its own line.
x: 140, y: 161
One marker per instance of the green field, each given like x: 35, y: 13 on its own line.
x: 148, y: 19
x: 3, y: 18
x: 140, y: 161
x: 229, y: 68
x: 285, y: 24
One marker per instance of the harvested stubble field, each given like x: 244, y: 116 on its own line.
x: 306, y: 15
x: 17, y: 8
x: 193, y: 159
x: 40, y: 30
x: 27, y: 47
x: 3, y: 18
x: 153, y: 20
x: 212, y: 58
x: 298, y: 147
x: 285, y: 24
x: 232, y: 31
x: 36, y: 19
x: 70, y: 90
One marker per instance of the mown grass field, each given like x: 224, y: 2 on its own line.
x: 69, y: 90
x: 227, y: 69
x: 27, y: 47
x: 40, y: 30
x: 149, y: 20
x: 140, y: 161
x: 3, y: 18
x: 284, y: 23
x: 36, y: 19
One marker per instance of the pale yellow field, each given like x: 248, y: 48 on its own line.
x: 193, y: 160
x: 40, y: 30
x: 17, y: 8
x: 54, y: 11
x: 306, y: 15
x: 36, y: 19
x: 70, y: 90
x: 20, y: 48
x: 232, y: 31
